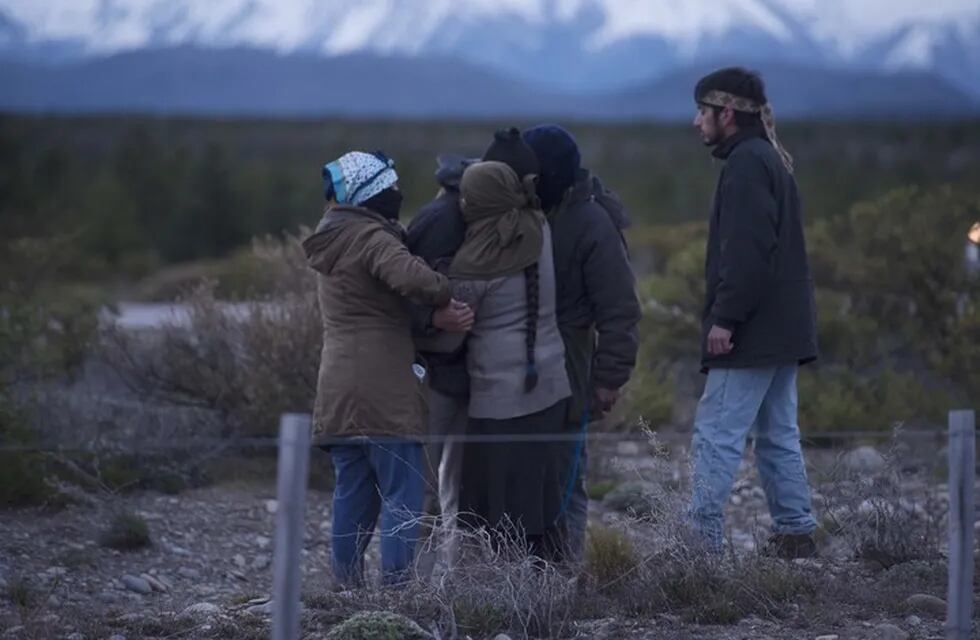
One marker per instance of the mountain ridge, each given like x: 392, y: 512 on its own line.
x: 239, y: 81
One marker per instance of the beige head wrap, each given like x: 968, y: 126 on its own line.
x: 724, y: 99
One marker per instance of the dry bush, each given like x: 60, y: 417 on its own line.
x: 246, y: 362
x: 711, y: 589
x: 496, y: 586
x: 889, y: 517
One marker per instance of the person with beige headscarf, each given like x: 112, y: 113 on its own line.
x: 515, y: 357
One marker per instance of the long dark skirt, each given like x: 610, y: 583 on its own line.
x: 516, y: 486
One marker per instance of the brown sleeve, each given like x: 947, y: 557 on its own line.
x: 388, y: 260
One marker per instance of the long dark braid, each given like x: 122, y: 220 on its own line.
x: 532, y: 285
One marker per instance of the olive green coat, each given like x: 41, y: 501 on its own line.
x: 366, y: 385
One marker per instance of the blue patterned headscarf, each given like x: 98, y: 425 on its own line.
x: 358, y: 176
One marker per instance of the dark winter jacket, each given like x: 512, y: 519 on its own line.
x: 598, y: 310
x: 757, y: 273
x: 435, y: 234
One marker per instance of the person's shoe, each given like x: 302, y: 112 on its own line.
x: 791, y: 546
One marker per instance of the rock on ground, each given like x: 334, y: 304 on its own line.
x: 863, y: 460
x: 925, y: 603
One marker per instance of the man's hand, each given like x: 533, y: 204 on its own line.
x: 719, y: 341
x: 455, y: 317
x: 603, y: 401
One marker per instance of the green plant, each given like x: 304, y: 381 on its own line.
x: 480, y: 619
x: 126, y: 532
x: 22, y: 472
x: 377, y: 625
x: 599, y: 489
x: 609, y: 555
x: 22, y: 594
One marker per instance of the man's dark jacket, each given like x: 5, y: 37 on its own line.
x: 757, y: 273
x: 435, y: 234
x: 598, y: 310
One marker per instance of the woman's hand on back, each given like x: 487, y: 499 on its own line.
x: 455, y: 317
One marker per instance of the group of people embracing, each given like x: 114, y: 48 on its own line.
x: 464, y: 357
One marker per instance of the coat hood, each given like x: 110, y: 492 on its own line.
x: 589, y: 187
x: 335, y: 232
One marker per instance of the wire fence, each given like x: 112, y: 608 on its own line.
x: 647, y: 436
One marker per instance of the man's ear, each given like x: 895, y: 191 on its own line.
x: 727, y: 117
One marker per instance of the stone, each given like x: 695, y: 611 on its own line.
x: 108, y: 597
x: 925, y: 603
x: 54, y: 602
x: 75, y: 636
x: 913, y: 621
x: 629, y: 496
x: 828, y: 637
x: 138, y: 585
x: 271, y: 506
x: 13, y: 631
x: 201, y: 610
x: 890, y: 632
x: 263, y: 609
x: 863, y: 460
x: 736, y: 499
x: 155, y: 584
x: 117, y: 637
x: 504, y: 636
x: 239, y: 560
x: 628, y: 448
x: 189, y: 573
x: 263, y: 542
x: 261, y: 562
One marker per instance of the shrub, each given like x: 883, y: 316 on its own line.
x: 709, y: 589
x: 45, y: 331
x: 22, y: 594
x: 248, y: 363
x: 609, y: 554
x: 378, y: 625
x: 22, y: 473
x: 126, y: 532
x: 883, y: 523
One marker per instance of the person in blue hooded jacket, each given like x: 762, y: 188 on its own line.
x: 598, y: 310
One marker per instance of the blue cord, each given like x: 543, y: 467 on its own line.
x: 573, y: 472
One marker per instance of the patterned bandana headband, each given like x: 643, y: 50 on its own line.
x: 724, y: 99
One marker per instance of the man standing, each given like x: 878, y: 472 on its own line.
x: 598, y: 310
x: 759, y: 319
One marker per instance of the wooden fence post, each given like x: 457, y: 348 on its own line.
x: 294, y: 458
x: 962, y: 514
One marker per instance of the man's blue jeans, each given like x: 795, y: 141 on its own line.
x: 383, y: 477
x: 735, y: 402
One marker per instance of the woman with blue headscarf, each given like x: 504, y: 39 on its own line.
x: 370, y: 402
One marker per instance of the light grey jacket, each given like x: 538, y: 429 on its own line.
x: 496, y: 351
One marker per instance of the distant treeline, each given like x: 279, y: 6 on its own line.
x: 137, y: 193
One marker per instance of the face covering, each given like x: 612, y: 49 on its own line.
x: 388, y: 203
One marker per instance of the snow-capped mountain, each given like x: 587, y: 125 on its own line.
x: 570, y: 44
